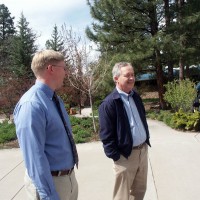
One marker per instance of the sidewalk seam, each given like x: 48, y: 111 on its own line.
x: 153, y: 179
x: 196, y: 137
x: 17, y: 192
x: 11, y: 170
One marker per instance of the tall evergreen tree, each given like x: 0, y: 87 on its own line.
x: 56, y: 43
x: 168, y: 55
x: 129, y: 29
x: 23, y: 48
x: 187, y: 33
x: 6, y: 23
x: 140, y: 32
x: 7, y: 30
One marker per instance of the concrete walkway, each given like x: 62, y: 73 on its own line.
x: 174, y: 165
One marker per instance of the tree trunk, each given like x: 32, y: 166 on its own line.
x: 160, y: 81
x: 180, y: 18
x: 91, y: 105
x: 181, y: 69
x: 187, y: 71
x: 159, y: 71
x: 168, y: 22
x: 79, y: 102
x: 170, y: 71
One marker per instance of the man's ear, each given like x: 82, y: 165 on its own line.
x: 115, y: 79
x: 49, y: 68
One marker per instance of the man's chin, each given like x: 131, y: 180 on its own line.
x: 131, y: 86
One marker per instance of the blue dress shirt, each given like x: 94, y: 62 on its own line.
x: 42, y: 138
x: 137, y: 128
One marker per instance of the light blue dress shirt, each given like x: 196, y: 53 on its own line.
x: 136, y: 125
x: 42, y: 138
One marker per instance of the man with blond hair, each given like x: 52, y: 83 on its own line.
x: 44, y: 133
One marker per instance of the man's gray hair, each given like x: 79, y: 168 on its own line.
x: 116, y: 71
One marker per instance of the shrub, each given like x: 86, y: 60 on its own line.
x: 193, y: 122
x: 151, y: 114
x: 162, y: 115
x: 82, y: 136
x: 180, y: 94
x: 187, y: 121
x: 179, y: 120
x: 75, y: 120
x: 165, y: 116
x: 86, y: 122
x: 7, y: 132
x: 82, y: 129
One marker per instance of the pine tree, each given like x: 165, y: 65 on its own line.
x: 56, y: 43
x: 7, y: 30
x: 23, y: 48
x: 6, y: 23
x: 142, y: 32
x: 188, y: 35
x: 129, y: 29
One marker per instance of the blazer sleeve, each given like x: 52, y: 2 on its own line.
x: 107, y: 133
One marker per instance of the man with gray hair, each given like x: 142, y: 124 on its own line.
x: 125, y: 135
x: 44, y: 133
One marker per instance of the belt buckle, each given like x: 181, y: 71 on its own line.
x: 64, y: 172
x: 59, y: 173
x: 70, y: 171
x: 140, y: 146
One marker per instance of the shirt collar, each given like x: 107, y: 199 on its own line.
x: 45, y: 88
x: 124, y: 94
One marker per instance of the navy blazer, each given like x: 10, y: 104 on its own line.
x: 115, y: 131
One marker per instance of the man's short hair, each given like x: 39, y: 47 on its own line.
x: 43, y: 58
x: 116, y: 71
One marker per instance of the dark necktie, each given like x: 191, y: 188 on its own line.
x: 71, y: 139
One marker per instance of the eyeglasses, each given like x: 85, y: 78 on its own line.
x: 128, y: 75
x: 64, y: 67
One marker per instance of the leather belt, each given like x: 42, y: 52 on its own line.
x: 140, y: 146
x: 62, y: 172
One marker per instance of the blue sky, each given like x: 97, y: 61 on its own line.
x: 42, y: 15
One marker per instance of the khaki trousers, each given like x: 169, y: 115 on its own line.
x: 131, y: 175
x: 66, y: 187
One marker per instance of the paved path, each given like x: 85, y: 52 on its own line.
x: 174, y: 165
x: 85, y: 112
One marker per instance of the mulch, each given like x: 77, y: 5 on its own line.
x: 10, y: 145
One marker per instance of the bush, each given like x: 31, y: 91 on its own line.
x: 7, y: 132
x: 162, y: 115
x: 86, y: 122
x: 151, y: 114
x: 74, y: 120
x: 187, y: 121
x: 81, y: 136
x: 82, y: 129
x: 165, y: 116
x: 180, y: 94
x: 179, y: 120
